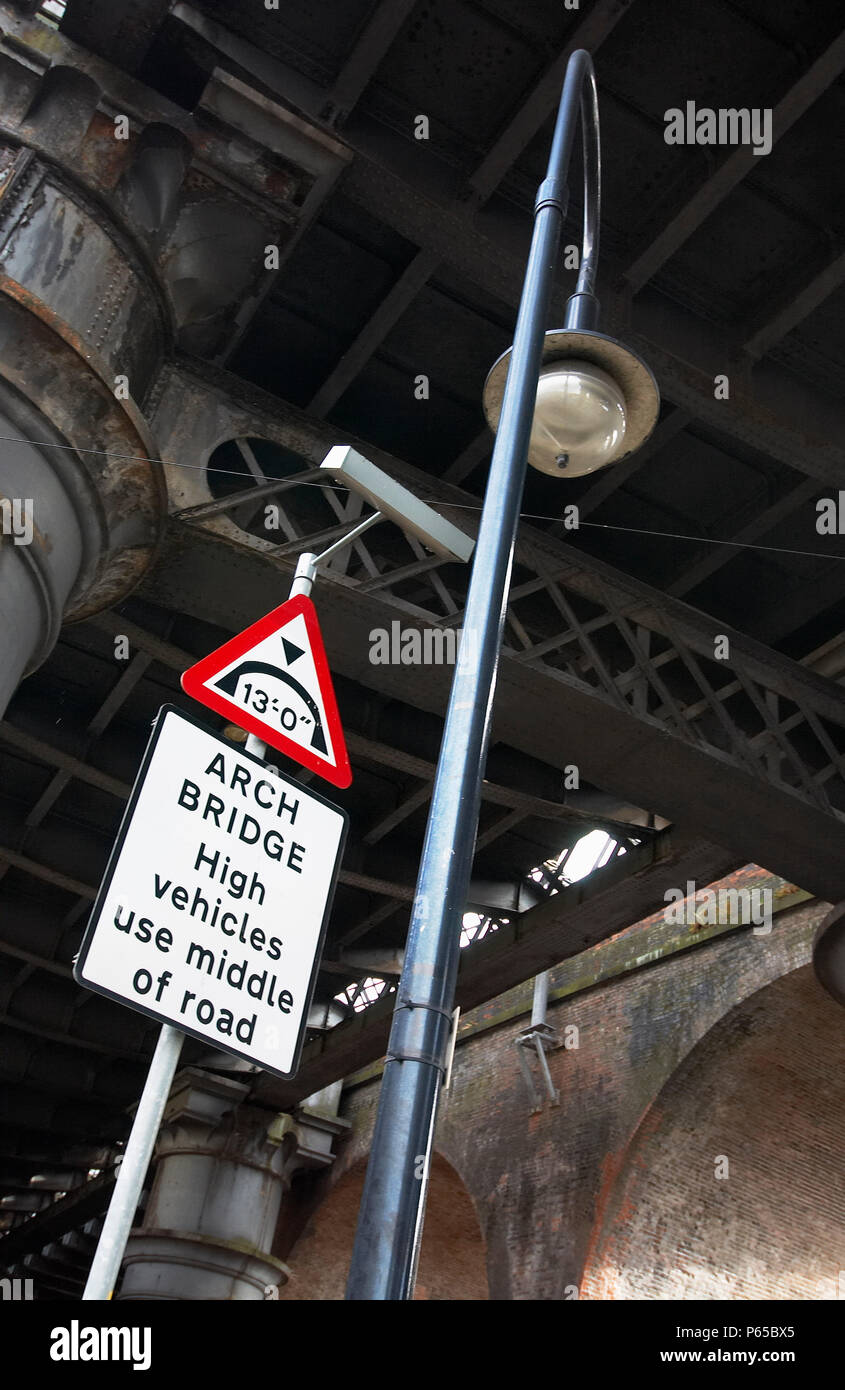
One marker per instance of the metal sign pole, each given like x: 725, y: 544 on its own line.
x: 390, y: 1219
x: 133, y: 1169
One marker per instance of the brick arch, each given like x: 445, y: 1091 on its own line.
x: 452, y: 1258
x: 764, y: 1089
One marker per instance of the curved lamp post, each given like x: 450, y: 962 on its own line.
x: 595, y: 403
x: 596, y: 400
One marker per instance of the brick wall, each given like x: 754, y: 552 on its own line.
x: 734, y: 1185
x: 452, y: 1263
x: 544, y: 1186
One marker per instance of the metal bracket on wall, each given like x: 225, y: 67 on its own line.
x: 538, y: 1039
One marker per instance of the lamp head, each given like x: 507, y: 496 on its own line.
x: 596, y: 403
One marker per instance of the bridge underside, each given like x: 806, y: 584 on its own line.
x: 672, y: 670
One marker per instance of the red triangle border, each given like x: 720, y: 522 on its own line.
x: 195, y: 678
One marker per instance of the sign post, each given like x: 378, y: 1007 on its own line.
x: 136, y: 1160
x: 139, y: 1147
x: 210, y: 917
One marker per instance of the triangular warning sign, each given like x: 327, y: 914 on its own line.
x: 250, y: 680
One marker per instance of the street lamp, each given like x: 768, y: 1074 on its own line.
x: 595, y: 402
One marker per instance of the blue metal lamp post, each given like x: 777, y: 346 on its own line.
x: 599, y: 403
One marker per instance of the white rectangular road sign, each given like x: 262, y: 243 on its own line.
x: 213, y: 909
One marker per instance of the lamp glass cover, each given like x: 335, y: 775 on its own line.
x: 579, y: 419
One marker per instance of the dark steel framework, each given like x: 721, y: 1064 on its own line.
x: 607, y: 651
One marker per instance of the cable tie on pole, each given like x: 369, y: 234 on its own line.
x: 427, y: 1057
x: 405, y: 1003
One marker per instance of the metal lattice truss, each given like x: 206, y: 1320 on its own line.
x: 621, y: 662
x: 711, y: 689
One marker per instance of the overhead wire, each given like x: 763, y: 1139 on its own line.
x: 432, y: 502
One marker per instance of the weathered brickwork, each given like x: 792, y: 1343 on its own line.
x: 734, y: 1185
x: 452, y: 1259
x: 546, y: 1187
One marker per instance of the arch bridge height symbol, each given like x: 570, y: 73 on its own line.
x: 273, y: 680
x: 568, y: 402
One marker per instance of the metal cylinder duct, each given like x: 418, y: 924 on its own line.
x: 211, y: 1215
x: 50, y: 532
x: 149, y: 190
x: 82, y: 498
x: 83, y: 328
x: 61, y: 109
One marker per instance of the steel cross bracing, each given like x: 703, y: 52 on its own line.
x: 730, y: 704
x: 651, y: 699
